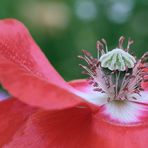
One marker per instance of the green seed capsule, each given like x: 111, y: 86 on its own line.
x: 117, y: 59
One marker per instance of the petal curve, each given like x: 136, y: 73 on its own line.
x: 13, y: 114
x: 69, y: 128
x: 77, y: 128
x: 26, y: 73
x: 17, y: 46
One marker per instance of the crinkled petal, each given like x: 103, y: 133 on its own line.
x: 77, y: 128
x: 26, y: 73
x: 13, y: 114
x: 69, y: 128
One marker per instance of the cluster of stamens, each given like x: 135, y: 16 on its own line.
x: 116, y: 73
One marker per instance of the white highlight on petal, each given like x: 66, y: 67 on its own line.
x: 96, y: 98
x: 124, y: 111
x: 88, y: 94
x: 143, y: 98
x: 120, y: 112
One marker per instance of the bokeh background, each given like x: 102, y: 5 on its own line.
x: 62, y: 28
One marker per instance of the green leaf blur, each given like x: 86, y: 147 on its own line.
x: 63, y: 27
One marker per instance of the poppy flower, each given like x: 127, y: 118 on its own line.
x: 109, y: 110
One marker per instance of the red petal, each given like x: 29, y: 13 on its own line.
x: 77, y: 128
x: 122, y: 136
x: 81, y: 85
x: 69, y: 128
x: 17, y: 46
x: 26, y: 73
x: 13, y: 114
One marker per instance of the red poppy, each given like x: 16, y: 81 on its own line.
x: 47, y: 112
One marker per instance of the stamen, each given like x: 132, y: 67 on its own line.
x: 116, y: 73
x: 105, y: 44
x: 130, y: 42
x: 121, y: 40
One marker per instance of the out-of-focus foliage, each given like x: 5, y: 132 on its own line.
x: 63, y: 27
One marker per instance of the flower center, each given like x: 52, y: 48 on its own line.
x: 117, y: 59
x: 116, y: 73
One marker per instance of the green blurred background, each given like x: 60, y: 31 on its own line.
x: 63, y: 27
